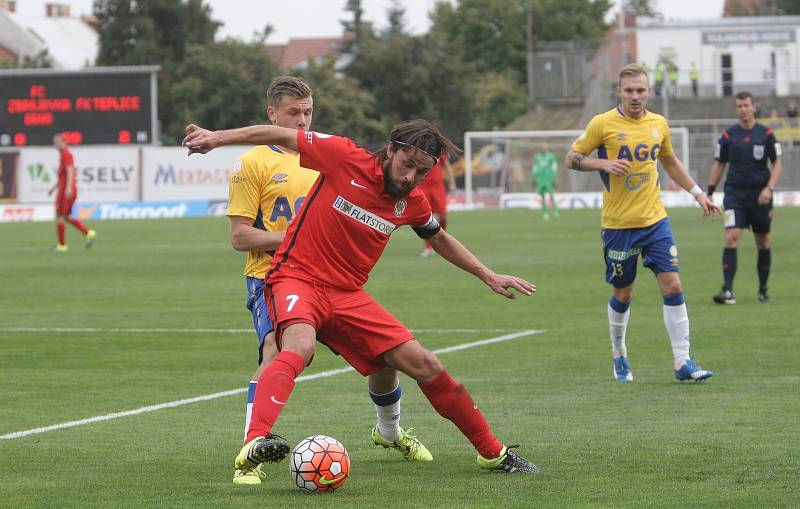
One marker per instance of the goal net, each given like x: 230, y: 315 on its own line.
x: 498, y: 162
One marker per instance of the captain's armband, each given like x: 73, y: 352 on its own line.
x: 576, y: 161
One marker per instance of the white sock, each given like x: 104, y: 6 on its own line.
x: 388, y: 413
x: 248, y: 416
x: 618, y: 325
x: 676, y: 319
x: 389, y: 421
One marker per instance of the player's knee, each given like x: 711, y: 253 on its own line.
x: 300, y: 339
x: 428, y: 369
x: 624, y: 294
x: 671, y: 287
x: 762, y: 242
x: 732, y: 239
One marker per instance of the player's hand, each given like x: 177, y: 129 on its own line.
x: 500, y: 283
x: 199, y: 140
x: 618, y: 167
x: 707, y: 204
x: 764, y: 196
x: 68, y: 193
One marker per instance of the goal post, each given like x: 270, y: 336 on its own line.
x: 497, y: 162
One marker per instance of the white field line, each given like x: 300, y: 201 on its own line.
x: 217, y: 395
x: 134, y: 330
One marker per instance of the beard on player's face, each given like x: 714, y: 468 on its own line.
x: 396, y: 188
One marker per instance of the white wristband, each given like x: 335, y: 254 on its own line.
x: 696, y: 191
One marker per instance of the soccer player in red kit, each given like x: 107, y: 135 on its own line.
x: 67, y: 186
x: 435, y: 191
x: 314, y: 288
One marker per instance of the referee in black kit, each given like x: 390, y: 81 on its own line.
x: 746, y: 147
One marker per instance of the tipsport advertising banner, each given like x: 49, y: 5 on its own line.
x: 169, y: 174
x: 103, y: 173
x: 141, y: 210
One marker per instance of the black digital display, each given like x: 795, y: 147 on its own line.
x: 89, y: 108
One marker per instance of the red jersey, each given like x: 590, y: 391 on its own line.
x: 347, y: 218
x: 66, y: 160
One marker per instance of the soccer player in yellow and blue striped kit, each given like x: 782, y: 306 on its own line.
x: 267, y: 189
x: 629, y: 141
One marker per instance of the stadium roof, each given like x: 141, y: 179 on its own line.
x: 737, y: 22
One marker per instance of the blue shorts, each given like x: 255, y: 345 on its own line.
x: 621, y: 250
x: 743, y: 211
x: 258, y: 308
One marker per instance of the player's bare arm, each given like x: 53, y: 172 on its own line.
x: 451, y: 178
x: 70, y: 179
x: 717, y: 169
x: 246, y: 237
x: 200, y: 141
x: 583, y: 162
x: 449, y: 248
x: 765, y: 195
x: 678, y: 173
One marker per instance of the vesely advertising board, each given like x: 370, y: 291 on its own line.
x: 103, y: 173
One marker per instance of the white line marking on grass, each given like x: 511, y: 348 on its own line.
x: 217, y: 395
x: 135, y: 330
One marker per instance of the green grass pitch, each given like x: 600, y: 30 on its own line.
x: 146, y: 285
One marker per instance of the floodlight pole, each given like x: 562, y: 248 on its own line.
x: 531, y: 90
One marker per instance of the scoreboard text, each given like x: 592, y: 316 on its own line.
x: 89, y: 109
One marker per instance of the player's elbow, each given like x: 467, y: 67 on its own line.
x: 237, y: 244
x: 238, y: 240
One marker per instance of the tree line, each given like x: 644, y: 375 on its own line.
x: 468, y: 72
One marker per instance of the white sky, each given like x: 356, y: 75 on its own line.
x: 318, y: 18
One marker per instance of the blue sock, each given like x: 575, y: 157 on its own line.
x: 618, y: 305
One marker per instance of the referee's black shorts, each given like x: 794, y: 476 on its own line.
x: 743, y: 211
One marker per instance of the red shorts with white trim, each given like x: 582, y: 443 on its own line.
x: 349, y: 322
x: 64, y: 204
x: 436, y: 194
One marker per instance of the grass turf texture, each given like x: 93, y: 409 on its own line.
x: 731, y: 442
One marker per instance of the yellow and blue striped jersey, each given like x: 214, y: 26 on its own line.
x: 267, y: 185
x: 633, y: 200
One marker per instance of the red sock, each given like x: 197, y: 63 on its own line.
x: 60, y: 233
x: 453, y: 402
x: 77, y: 224
x: 274, y: 388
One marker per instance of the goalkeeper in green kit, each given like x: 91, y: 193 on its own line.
x: 544, y: 176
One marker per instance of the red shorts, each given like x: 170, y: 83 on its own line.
x: 349, y: 322
x: 64, y: 205
x: 436, y: 194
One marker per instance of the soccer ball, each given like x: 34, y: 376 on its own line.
x: 319, y: 463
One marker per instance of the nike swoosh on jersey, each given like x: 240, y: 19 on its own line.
x: 325, y: 480
x: 276, y: 401
x: 353, y: 182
